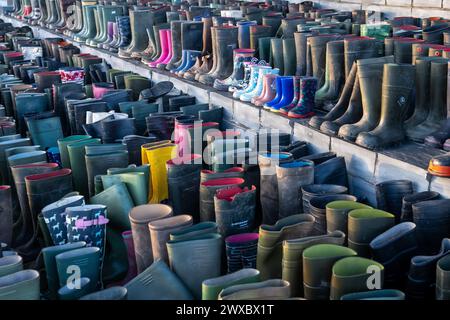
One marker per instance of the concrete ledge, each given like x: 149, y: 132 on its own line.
x: 365, y: 167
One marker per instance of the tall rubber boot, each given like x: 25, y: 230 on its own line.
x: 140, y: 217
x: 6, y: 215
x: 119, y: 203
x: 395, y: 103
x: 271, y: 237
x: 274, y: 21
x: 124, y: 29
x: 89, y: 21
x: 276, y: 49
x: 207, y: 45
x: 226, y: 41
x: 21, y: 285
x: 289, y: 57
x: 182, y: 174
x: 370, y: 75
x: 257, y: 32
x: 192, y: 276
x: 300, y: 39
x: 318, y: 53
x: 289, y: 26
x: 57, y: 13
x: 438, y: 109
x: 269, y: 186
x: 175, y: 30
x: 43, y: 189
x: 358, y: 48
x: 244, y: 33
x: 52, y: 15
x: 291, y: 177
x: 139, y: 20
x: 422, y: 93
x: 328, y: 94
x: 44, y: 12
x: 166, y: 43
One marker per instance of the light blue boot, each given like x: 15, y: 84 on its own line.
x: 251, y: 83
x: 259, y: 86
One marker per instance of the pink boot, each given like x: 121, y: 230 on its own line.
x: 163, y: 63
x: 164, y: 36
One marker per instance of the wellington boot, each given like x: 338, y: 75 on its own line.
x: 183, y: 176
x: 160, y: 233
x: 208, y: 190
x: 136, y: 183
x: 240, y: 57
x: 225, y: 38
x: 24, y: 230
x: 140, y: 217
x: 235, y: 172
x: 370, y: 75
x: 269, y: 186
x: 21, y: 285
x: 274, y: 21
x: 389, y: 195
x: 134, y: 143
x: 115, y: 129
x: 55, y: 217
x: 45, y: 129
x: 314, y: 190
x: 356, y: 48
x: 384, y: 294
x: 413, y: 198
x: 77, y: 153
x: 6, y: 216
x: 300, y: 49
x: 328, y: 94
x: 422, y: 93
x: 349, y: 275
x: 49, y: 255
x: 317, y: 208
x: 190, y: 35
x: 442, y: 279
x: 87, y: 259
x: 394, y: 249
x: 139, y: 20
x: 14, y: 142
x: 164, y: 285
x: 62, y: 145
x: 211, y: 288
x: 89, y: 31
x: 257, y: 32
x: 292, y: 262
x: 396, y: 100
x: 274, y: 289
x: 111, y: 293
x: 337, y: 214
x: 348, y: 109
x: 29, y: 103
x: 431, y: 229
x: 68, y: 292
x: 99, y: 158
x: 364, y: 225
x: 318, y: 261
x: 119, y: 202
x: 181, y: 260
x: 437, y: 139
x: 276, y: 52
x: 10, y: 264
x: 434, y: 33
x: 437, y: 109
x: 244, y: 33
x: 235, y: 210
x: 43, y: 189
x: 271, y: 237
x: 291, y: 177
x: 318, y: 53
x: 422, y: 274
x: 157, y: 156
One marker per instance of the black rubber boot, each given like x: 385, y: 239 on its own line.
x: 370, y: 75
x: 318, y: 53
x: 274, y: 21
x: 328, y: 94
x: 358, y: 48
x: 390, y: 194
x: 300, y: 49
x: 289, y: 57
x: 352, y: 114
x: 438, y: 138
x: 139, y: 20
x: 184, y: 181
x: 116, y: 129
x: 398, y: 85
x: 288, y: 26
x: 6, y: 216
x: 437, y: 101
x: 276, y: 52
x: 409, y: 200
x: 188, y: 37
x: 226, y: 41
x: 434, y: 33
x: 341, y: 106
